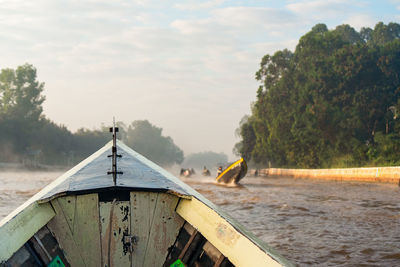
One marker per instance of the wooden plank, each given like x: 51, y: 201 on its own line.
x: 105, y: 230
x: 86, y: 229
x: 142, y: 212
x: 232, y: 244
x: 219, y: 261
x: 49, y: 244
x: 185, y: 248
x: 15, y: 232
x: 112, y: 235
x: 68, y: 205
x: 164, y: 230
x: 63, y: 233
x: 20, y: 258
x: 80, y: 239
x: 40, y: 249
x: 212, y: 252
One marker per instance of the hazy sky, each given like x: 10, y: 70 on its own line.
x: 186, y: 66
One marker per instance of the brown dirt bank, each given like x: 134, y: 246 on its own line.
x: 373, y: 174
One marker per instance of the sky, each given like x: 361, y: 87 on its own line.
x: 186, y: 66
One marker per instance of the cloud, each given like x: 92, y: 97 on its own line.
x: 238, y: 20
x: 174, y: 63
x: 358, y: 21
x: 307, y: 7
x: 323, y: 9
x: 196, y: 5
x: 169, y: 74
x: 396, y: 3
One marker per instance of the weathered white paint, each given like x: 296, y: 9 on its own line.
x: 62, y: 229
x: 31, y: 216
x: 87, y: 228
x: 16, y: 231
x: 142, y: 213
x: 234, y: 245
x: 165, y: 227
x: 79, y: 237
x: 112, y: 235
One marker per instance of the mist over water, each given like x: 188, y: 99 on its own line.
x: 310, y: 222
x: 17, y: 186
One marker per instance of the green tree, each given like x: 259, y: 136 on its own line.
x: 20, y: 110
x: 20, y: 93
x: 147, y: 140
x: 383, y: 34
x: 325, y: 104
x: 245, y: 147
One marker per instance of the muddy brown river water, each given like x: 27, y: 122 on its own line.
x: 310, y: 222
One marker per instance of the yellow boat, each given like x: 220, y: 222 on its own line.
x: 135, y: 215
x: 234, y: 173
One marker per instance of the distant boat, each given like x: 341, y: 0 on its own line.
x: 234, y: 173
x: 187, y: 172
x: 135, y: 215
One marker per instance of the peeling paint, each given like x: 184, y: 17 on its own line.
x: 126, y: 213
x: 125, y: 245
x: 226, y: 234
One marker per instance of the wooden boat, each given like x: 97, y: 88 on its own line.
x: 136, y: 215
x: 234, y: 173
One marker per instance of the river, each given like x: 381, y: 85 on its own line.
x: 310, y: 222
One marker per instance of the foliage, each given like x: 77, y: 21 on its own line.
x: 20, y: 93
x: 147, y: 140
x: 28, y: 137
x: 330, y: 102
x: 20, y: 111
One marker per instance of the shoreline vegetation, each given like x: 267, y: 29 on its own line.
x: 29, y: 140
x: 333, y: 102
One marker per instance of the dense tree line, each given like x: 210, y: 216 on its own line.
x: 333, y: 102
x: 27, y: 136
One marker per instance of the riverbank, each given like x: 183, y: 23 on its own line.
x: 372, y: 174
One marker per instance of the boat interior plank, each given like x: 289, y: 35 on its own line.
x: 164, y: 230
x: 142, y: 211
x: 87, y: 229
x: 68, y: 205
x: 115, y: 226
x: 37, y: 215
x: 63, y: 233
x: 185, y: 248
x: 47, y: 247
x: 81, y: 237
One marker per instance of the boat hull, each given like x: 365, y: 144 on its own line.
x: 234, y: 173
x: 137, y: 223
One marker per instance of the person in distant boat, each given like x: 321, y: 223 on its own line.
x: 219, y: 171
x: 192, y: 171
x: 187, y: 173
x: 206, y: 172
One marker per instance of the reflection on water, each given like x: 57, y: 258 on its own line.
x: 310, y: 222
